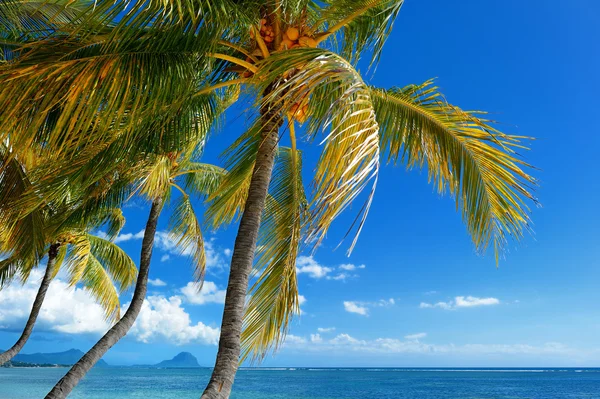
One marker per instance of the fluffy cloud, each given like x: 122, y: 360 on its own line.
x: 168, y: 243
x: 129, y: 236
x: 461, y: 302
x: 65, y: 309
x: 165, y: 319
x: 325, y: 330
x: 209, y: 293
x: 354, y: 307
x: 307, y: 264
x: 362, y: 308
x: 415, y: 337
x: 72, y: 310
x: 156, y: 282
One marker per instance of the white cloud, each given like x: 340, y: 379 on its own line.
x: 209, y: 293
x: 386, y: 302
x: 344, y: 343
x: 166, y: 242
x: 294, y: 339
x: 301, y: 300
x: 362, y: 308
x: 461, y: 302
x: 129, y: 236
x: 156, y: 282
x: 325, y: 330
x: 354, y: 307
x: 65, y: 309
x: 165, y: 319
x: 351, y: 267
x: 307, y: 264
x: 73, y: 311
x: 315, y: 338
x: 470, y: 301
x: 415, y: 337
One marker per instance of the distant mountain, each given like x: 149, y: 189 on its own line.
x: 66, y: 358
x: 184, y: 359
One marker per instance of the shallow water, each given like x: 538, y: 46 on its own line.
x: 30, y: 383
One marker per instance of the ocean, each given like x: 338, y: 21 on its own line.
x: 301, y: 383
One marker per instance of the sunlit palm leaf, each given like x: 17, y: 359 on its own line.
x: 274, y: 296
x: 340, y: 102
x: 97, y: 281
x: 364, y: 24
x: 463, y: 154
x: 117, y: 263
x: 185, y: 228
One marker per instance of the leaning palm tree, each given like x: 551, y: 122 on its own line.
x: 160, y: 176
x: 93, y: 261
x: 297, y: 82
x: 297, y: 59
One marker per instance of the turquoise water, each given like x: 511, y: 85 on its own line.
x: 133, y: 383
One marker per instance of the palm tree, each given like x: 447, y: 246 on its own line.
x: 94, y: 261
x: 161, y: 175
x: 297, y: 58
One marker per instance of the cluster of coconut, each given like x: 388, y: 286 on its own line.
x: 293, y: 39
x: 299, y: 110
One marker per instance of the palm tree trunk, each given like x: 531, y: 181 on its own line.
x: 221, y: 381
x: 118, y: 331
x: 35, y: 309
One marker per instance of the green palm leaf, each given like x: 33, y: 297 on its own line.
x: 464, y: 154
x: 274, y: 295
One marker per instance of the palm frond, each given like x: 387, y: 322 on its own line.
x: 97, y: 281
x: 338, y: 101
x: 359, y: 25
x: 106, y: 88
x: 77, y: 256
x: 117, y: 263
x: 464, y: 154
x: 228, y: 201
x: 185, y: 228
x: 27, y: 19
x: 202, y: 179
x: 274, y: 295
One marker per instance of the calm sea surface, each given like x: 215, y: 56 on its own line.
x: 119, y: 383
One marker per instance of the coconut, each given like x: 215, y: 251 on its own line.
x: 286, y: 44
x: 306, y: 41
x: 292, y: 33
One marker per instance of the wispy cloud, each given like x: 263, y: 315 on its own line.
x: 354, y: 307
x: 362, y: 308
x: 345, y: 343
x: 415, y: 337
x: 308, y: 265
x: 461, y: 302
x: 209, y: 293
x: 156, y: 282
x: 326, y: 329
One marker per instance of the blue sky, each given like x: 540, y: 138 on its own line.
x: 423, y: 297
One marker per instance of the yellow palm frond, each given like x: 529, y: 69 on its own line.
x: 117, y: 263
x: 97, y: 281
x: 274, y: 295
x: 184, y: 226
x: 464, y: 154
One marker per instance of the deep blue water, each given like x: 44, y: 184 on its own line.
x: 133, y: 383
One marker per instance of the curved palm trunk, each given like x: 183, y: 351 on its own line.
x: 35, y: 309
x: 221, y: 381
x: 118, y: 331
